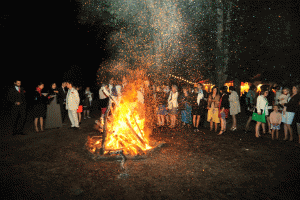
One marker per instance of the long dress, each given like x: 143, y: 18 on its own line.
x: 53, y: 118
x: 186, y: 114
x: 234, y: 101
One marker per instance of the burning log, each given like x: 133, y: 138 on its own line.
x: 135, y: 134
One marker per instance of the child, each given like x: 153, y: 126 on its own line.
x: 275, y: 119
x: 283, y: 98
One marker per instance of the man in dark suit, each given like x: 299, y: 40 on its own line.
x: 16, y: 97
x: 62, y: 95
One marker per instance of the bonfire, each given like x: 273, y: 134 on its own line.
x: 124, y: 128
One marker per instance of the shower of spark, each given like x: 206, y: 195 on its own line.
x: 155, y: 35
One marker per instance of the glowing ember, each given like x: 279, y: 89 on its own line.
x: 126, y: 126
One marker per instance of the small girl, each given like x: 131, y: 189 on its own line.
x: 283, y: 98
x: 275, y: 119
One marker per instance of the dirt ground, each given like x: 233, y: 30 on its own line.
x: 236, y: 165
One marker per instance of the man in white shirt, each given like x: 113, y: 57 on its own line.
x: 72, y: 103
x: 104, y: 100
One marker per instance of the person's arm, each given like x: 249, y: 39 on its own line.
x: 258, y: 105
x: 76, y: 97
x: 273, y: 118
x: 279, y: 119
x: 10, y: 96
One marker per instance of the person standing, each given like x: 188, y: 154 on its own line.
x: 167, y: 94
x: 62, y: 95
x: 16, y: 97
x: 186, y: 113
x: 250, y: 103
x: 270, y: 99
x: 72, y: 104
x: 223, y: 108
x: 53, y: 117
x: 289, y: 111
x: 262, y: 108
x: 173, y: 105
x: 161, y: 106
x: 235, y: 107
x: 203, y: 104
x: 104, y: 100
x: 275, y: 119
x: 80, y: 107
x: 87, y: 103
x: 277, y: 94
x: 39, y: 108
x: 213, y: 109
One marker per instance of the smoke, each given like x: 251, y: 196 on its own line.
x: 157, y: 36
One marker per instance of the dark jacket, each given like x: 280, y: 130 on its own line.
x: 15, y: 96
x: 51, y: 92
x: 293, y: 104
x: 39, y: 99
x: 203, y: 102
x: 225, y: 101
x: 81, y: 97
x: 61, y: 95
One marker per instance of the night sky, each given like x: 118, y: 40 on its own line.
x: 43, y: 42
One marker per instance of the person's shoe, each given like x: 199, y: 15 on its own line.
x: 79, y: 122
x: 285, y: 139
x: 77, y: 128
x: 84, y: 118
x: 88, y: 117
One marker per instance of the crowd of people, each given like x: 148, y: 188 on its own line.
x: 53, y: 105
x: 270, y: 107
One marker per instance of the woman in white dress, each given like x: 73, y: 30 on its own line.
x: 235, y: 107
x: 173, y: 105
x: 261, y: 106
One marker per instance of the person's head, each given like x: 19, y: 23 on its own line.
x: 41, y: 85
x: 53, y: 86
x: 215, y: 90
x: 265, y: 92
x: 285, y: 91
x: 111, y: 81
x: 295, y: 89
x: 196, y: 90
x: 231, y: 88
x: 223, y: 89
x: 158, y: 89
x: 17, y: 83
x: 277, y: 87
x: 64, y: 84
x: 167, y: 88
x: 153, y: 87
x: 200, y: 86
x: 87, y: 88
x: 69, y: 84
x: 252, y: 87
x: 275, y: 108
x: 185, y: 90
x: 174, y: 88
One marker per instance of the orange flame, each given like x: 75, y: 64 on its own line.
x: 126, y: 126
